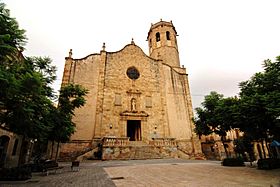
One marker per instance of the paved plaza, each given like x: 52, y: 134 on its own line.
x: 159, y: 172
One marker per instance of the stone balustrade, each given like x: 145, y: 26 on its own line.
x: 163, y: 142
x: 115, y: 141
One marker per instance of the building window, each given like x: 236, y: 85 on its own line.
x: 157, y: 37
x: 132, y: 73
x: 167, y: 35
x: 15, y: 147
x: 149, y: 102
x: 118, y: 99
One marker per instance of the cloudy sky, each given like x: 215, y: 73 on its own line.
x: 221, y: 42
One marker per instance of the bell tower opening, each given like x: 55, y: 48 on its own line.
x: 133, y: 130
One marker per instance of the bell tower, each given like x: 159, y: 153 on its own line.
x: 163, y: 43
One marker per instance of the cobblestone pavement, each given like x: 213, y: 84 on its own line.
x: 93, y: 176
x: 158, y: 172
x: 193, y: 174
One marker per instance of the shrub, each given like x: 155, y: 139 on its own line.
x: 269, y: 163
x: 233, y: 162
x: 15, y: 174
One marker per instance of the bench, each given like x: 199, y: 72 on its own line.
x: 75, y: 166
x: 50, y: 165
x: 47, y: 170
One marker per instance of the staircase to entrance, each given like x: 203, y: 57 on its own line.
x: 122, y: 148
x: 113, y: 148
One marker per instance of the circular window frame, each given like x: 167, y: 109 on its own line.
x: 132, y: 73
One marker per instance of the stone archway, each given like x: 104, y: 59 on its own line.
x: 4, y: 143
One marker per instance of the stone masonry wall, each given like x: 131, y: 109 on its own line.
x: 118, y: 86
x: 143, y: 152
x: 85, y: 73
x: 177, y: 105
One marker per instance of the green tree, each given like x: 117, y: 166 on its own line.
x: 71, y: 97
x: 217, y: 115
x: 25, y: 90
x: 12, y: 39
x: 260, y: 103
x: 25, y: 83
x: 25, y: 97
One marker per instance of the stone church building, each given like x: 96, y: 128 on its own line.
x: 138, y: 106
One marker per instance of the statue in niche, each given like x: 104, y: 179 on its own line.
x: 133, y: 104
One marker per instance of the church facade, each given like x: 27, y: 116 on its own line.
x: 133, y: 100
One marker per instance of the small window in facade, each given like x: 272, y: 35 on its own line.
x: 118, y: 99
x: 167, y: 35
x: 157, y: 37
x: 15, y: 147
x: 149, y: 102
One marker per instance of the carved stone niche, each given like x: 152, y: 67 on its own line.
x: 133, y: 105
x: 133, y: 102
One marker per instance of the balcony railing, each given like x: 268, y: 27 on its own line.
x: 163, y: 142
x: 114, y: 141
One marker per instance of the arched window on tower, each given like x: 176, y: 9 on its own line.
x: 167, y: 35
x: 157, y: 37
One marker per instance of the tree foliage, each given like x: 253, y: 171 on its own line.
x: 12, y: 38
x: 256, y: 112
x: 260, y: 102
x: 25, y: 89
x: 71, y: 97
x: 25, y: 96
x: 216, y: 115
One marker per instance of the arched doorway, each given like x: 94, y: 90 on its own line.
x: 4, y: 143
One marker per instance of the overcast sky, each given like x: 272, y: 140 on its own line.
x: 221, y: 42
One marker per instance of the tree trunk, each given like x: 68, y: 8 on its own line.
x: 52, y: 149
x: 57, y: 149
x: 22, y: 150
x: 268, y: 148
x: 251, y: 154
x: 263, y: 150
x: 226, y: 151
x: 225, y: 147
